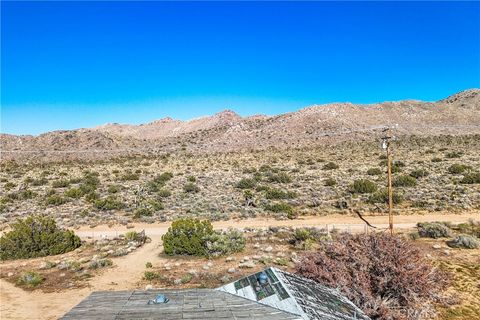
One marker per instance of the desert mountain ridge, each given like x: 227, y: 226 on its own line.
x: 226, y: 131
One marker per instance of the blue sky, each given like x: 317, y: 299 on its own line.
x: 67, y: 65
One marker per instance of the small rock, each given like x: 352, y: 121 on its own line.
x: 268, y: 249
x: 148, y: 287
x: 62, y: 275
x: 177, y: 282
x: 231, y: 270
x: 205, y: 267
x: 228, y: 259
x: 436, y: 246
x: 10, y: 274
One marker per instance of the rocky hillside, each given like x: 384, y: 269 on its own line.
x: 227, y: 131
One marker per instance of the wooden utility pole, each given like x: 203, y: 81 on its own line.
x: 386, y: 145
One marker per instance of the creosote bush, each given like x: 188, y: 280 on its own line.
x: 30, y: 279
x: 381, y: 196
x: 464, y: 241
x: 387, y: 277
x: 36, y: 236
x: 363, y: 186
x: 191, y: 187
x: 197, y: 237
x: 457, y: 168
x: 419, y: 173
x: 330, y: 166
x: 374, y: 171
x: 433, y: 230
x: 471, y: 178
x: 246, y: 183
x: 404, y: 181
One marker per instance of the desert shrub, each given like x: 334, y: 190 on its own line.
x: 281, y: 177
x: 464, y: 241
x: 303, y: 238
x: 55, y: 200
x: 164, y: 193
x: 73, y: 193
x: 471, y: 227
x: 192, y: 179
x: 273, y: 193
x: 108, y: 203
x: 457, y: 168
x: 246, y: 183
x: 9, y: 186
x: 39, y: 182
x: 419, y: 173
x: 36, y: 236
x: 280, y: 207
x: 381, y: 196
x: 129, y: 176
x: 30, y: 279
x: 100, y: 263
x: 453, y: 155
x: 404, y: 181
x: 363, y: 186
x: 142, y: 212
x: 436, y: 160
x: 191, y: 188
x: 148, y: 265
x: 222, y: 243
x: 330, y: 182
x: 433, y: 230
x: 131, y: 235
x: 151, y: 275
x: 374, y: 171
x: 187, y: 236
x: 386, y: 276
x: 113, y: 188
x: 60, y: 183
x: 89, y: 183
x: 330, y: 166
x: 414, y: 235
x: 471, y: 178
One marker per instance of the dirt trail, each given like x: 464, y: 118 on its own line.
x: 19, y: 304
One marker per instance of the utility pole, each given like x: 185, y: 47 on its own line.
x: 386, y: 146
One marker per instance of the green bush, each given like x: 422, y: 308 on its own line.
x: 192, y: 179
x: 73, y: 193
x: 281, y: 177
x: 436, y: 160
x: 246, y: 183
x: 151, y: 275
x: 36, y: 236
x: 273, y: 193
x: 374, y: 171
x: 457, y: 168
x: 280, y: 207
x: 330, y: 166
x: 464, y: 241
x: 55, y: 200
x: 363, y: 186
x: 433, y: 230
x: 453, y: 154
x: 191, y: 188
x: 108, y: 203
x: 187, y: 237
x: 60, y: 183
x: 404, y: 181
x: 222, y: 243
x: 143, y: 212
x: 148, y: 265
x: 471, y: 178
x: 330, y: 182
x: 114, y: 188
x: 164, y: 193
x: 381, y: 196
x: 30, y: 279
x: 419, y: 173
x: 129, y: 176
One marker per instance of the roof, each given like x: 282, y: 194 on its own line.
x: 295, y: 294
x: 184, y: 304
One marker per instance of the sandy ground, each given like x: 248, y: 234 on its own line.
x: 19, y: 304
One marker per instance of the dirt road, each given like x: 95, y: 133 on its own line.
x: 19, y: 304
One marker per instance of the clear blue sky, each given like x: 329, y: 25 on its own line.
x: 67, y: 65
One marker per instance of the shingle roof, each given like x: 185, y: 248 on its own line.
x: 184, y: 304
x: 295, y: 294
